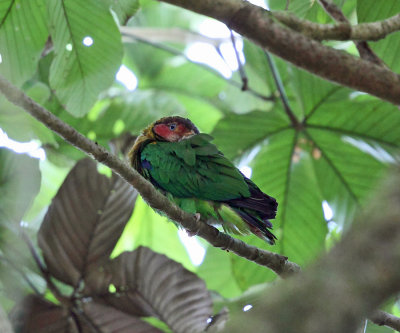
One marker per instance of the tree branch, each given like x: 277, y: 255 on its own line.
x: 382, y: 318
x: 362, y: 46
x: 345, y: 285
x: 341, y: 31
x: 258, y: 25
x: 279, y: 264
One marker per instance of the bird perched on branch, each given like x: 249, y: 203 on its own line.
x: 184, y: 165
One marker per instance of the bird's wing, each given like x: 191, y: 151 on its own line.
x: 193, y: 168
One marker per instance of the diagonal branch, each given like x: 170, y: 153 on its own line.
x: 279, y: 264
x: 258, y: 25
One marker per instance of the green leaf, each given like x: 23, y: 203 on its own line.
x: 54, y: 176
x: 23, y: 33
x: 216, y: 271
x: 19, y: 184
x: 283, y: 170
x: 248, y: 273
x: 5, y: 325
x: 189, y: 79
x: 136, y: 110
x: 353, y: 180
x: 388, y: 49
x: 368, y: 119
x: 80, y: 72
x: 236, y: 134
x: 124, y: 9
x: 196, y: 109
x: 21, y: 126
x: 311, y: 92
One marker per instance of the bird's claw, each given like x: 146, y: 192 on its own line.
x: 191, y: 233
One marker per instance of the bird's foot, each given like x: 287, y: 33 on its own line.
x: 191, y: 233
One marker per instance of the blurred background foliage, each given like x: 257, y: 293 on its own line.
x: 175, y: 62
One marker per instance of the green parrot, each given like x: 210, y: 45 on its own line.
x: 184, y: 165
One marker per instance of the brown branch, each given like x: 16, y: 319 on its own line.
x: 382, y: 318
x: 279, y: 264
x: 341, y: 31
x: 342, y: 287
x: 362, y: 46
x: 257, y: 24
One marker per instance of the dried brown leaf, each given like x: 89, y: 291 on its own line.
x: 33, y: 314
x: 111, y: 320
x: 84, y: 222
x: 161, y: 287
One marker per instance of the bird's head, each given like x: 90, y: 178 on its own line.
x: 169, y: 129
x: 172, y: 129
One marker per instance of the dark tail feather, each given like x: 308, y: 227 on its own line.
x: 257, y: 227
x: 256, y: 210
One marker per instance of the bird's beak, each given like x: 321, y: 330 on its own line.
x: 189, y: 134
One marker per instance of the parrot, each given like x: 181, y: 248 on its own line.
x: 185, y: 166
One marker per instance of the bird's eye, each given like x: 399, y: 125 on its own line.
x: 172, y: 127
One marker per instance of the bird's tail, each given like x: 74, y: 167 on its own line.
x: 256, y: 211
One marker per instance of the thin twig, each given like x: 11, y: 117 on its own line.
x: 281, y: 90
x: 245, y: 80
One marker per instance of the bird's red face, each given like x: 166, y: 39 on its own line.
x: 174, y: 130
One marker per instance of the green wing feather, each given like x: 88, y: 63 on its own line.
x: 193, y: 168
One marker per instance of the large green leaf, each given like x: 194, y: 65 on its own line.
x: 311, y: 92
x: 247, y: 273
x: 5, y: 325
x: 80, y: 72
x: 388, y: 49
x: 124, y: 9
x: 21, y: 126
x: 216, y: 271
x: 282, y: 169
x: 344, y: 168
x: 23, y: 33
x: 19, y: 184
x: 236, y: 134
x: 345, y: 173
